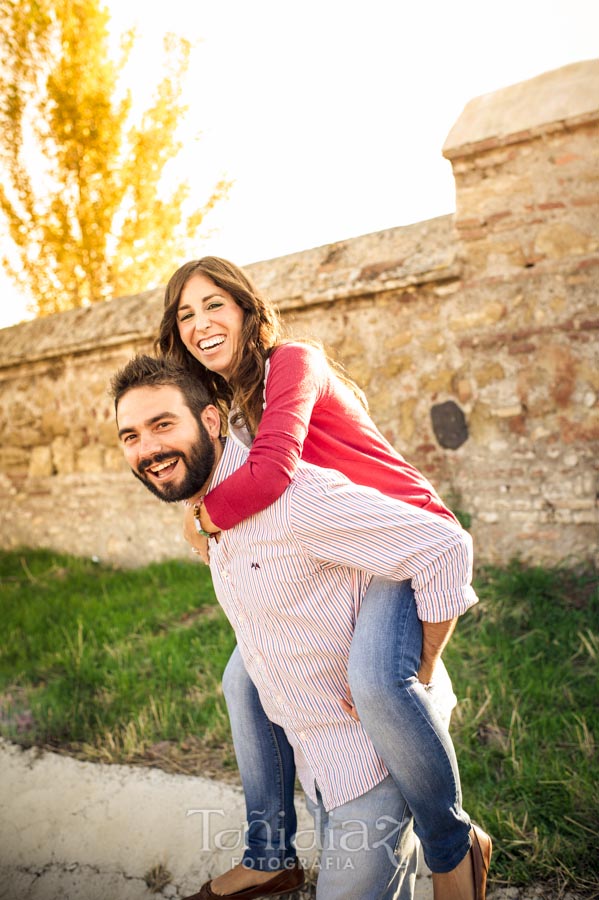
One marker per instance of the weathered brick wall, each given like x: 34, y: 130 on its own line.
x: 474, y: 337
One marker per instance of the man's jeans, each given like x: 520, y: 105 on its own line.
x: 368, y: 847
x: 401, y: 717
x: 267, y: 768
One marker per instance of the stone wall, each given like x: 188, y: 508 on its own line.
x: 473, y: 335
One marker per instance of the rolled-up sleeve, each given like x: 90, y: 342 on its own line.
x: 337, y: 521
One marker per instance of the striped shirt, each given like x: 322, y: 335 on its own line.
x: 291, y: 579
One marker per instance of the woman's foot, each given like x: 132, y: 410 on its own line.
x: 468, y: 881
x: 246, y: 884
x: 239, y: 879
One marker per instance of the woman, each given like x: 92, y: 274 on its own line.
x: 293, y: 403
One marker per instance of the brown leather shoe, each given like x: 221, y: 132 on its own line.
x: 480, y: 853
x: 284, y: 882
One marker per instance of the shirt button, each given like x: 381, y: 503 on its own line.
x: 278, y: 698
x: 302, y: 735
x: 241, y: 617
x: 224, y: 573
x: 258, y: 659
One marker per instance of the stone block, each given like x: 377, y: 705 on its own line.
x: 487, y: 314
x: 90, y: 459
x: 589, y: 398
x: 433, y: 343
x: 561, y: 239
x: 463, y: 388
x: 26, y: 436
x: 105, y: 433
x: 40, y: 462
x: 484, y: 427
x: 53, y: 424
x: 350, y: 347
x: 63, y: 456
x: 360, y: 371
x: 489, y: 373
x: 114, y: 461
x: 437, y: 382
x: 14, y: 460
x: 515, y: 113
x: 507, y: 412
x: 407, y: 418
x: 488, y: 517
x: 397, y: 364
x: 481, y: 199
x: 397, y: 340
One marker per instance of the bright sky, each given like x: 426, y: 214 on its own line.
x: 330, y: 115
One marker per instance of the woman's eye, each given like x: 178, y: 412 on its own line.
x: 185, y: 316
x: 214, y: 306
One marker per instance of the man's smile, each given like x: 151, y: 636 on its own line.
x: 160, y: 470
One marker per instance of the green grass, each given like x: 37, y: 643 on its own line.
x: 109, y: 664
x: 110, y: 661
x: 524, y: 665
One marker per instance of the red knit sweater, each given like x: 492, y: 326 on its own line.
x: 310, y: 414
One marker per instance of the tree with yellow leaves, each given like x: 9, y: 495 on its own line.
x: 92, y: 222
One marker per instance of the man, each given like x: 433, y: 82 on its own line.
x: 290, y: 580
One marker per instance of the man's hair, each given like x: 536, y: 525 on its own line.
x: 151, y: 371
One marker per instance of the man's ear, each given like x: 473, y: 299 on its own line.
x: 210, y: 418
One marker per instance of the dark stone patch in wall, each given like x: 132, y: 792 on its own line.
x: 375, y: 270
x: 449, y: 424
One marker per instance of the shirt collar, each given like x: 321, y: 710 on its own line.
x: 233, y: 456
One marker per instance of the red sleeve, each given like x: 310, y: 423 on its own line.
x: 293, y: 387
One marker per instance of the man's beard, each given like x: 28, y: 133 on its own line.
x: 198, y: 464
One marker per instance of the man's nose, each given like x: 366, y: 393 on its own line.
x: 149, y: 445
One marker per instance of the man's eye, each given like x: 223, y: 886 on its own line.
x: 128, y: 438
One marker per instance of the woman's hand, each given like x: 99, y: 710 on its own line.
x: 198, y: 542
x: 205, y: 520
x: 347, y: 704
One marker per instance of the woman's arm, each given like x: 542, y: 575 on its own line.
x: 293, y: 387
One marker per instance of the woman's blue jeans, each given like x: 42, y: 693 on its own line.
x: 402, y: 718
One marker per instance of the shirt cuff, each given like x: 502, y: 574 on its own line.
x: 440, y: 607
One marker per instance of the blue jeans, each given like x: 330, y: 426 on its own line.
x: 401, y: 717
x: 267, y: 769
x: 368, y: 850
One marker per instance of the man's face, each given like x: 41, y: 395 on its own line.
x: 167, y: 449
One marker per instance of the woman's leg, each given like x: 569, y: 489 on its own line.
x: 267, y: 769
x: 404, y: 721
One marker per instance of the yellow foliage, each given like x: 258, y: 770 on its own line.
x: 95, y: 223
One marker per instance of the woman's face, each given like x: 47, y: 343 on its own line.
x: 209, y: 322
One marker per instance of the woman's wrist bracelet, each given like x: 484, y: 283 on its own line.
x: 196, y: 517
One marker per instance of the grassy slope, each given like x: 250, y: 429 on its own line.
x: 114, y: 664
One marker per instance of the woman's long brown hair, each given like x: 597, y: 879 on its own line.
x: 260, y: 334
x: 261, y: 329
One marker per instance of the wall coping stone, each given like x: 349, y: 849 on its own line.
x: 561, y: 98
x: 409, y: 255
